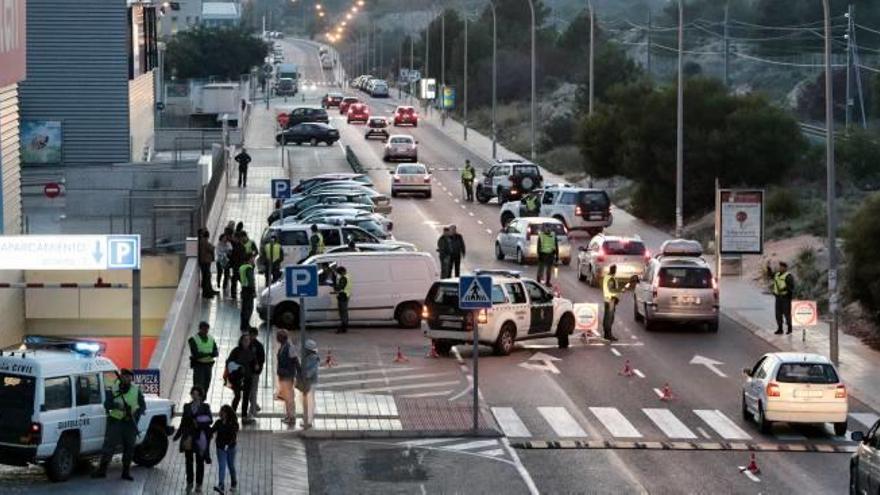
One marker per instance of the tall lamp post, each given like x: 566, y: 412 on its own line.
x: 679, y: 147
x: 494, y: 78
x: 830, y: 187
x: 592, y: 53
x: 533, y: 108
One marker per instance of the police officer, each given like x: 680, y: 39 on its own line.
x: 782, y: 287
x: 548, y: 252
x: 244, y: 160
x: 125, y: 404
x: 250, y: 247
x: 610, y: 292
x: 316, y: 241
x: 530, y: 203
x: 342, y: 289
x: 273, y: 256
x: 467, y: 180
x: 202, y: 352
x: 248, y: 292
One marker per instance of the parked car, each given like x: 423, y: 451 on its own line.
x: 317, y: 216
x: 377, y: 126
x: 344, y: 104
x: 577, y: 207
x: 401, y: 147
x: 307, y: 114
x: 406, y: 115
x: 311, y: 132
x: 306, y: 184
x: 381, y: 202
x: 411, y: 178
x: 331, y: 100
x: 289, y: 209
x: 628, y: 254
x: 508, y: 180
x: 294, y: 238
x: 864, y: 467
x: 520, y: 240
x: 379, y: 89
x: 365, y: 247
x: 358, y: 112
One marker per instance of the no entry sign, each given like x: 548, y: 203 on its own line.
x: 586, y: 317
x: 804, y: 313
x: 52, y: 190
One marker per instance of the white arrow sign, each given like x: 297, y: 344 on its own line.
x: 541, y: 362
x: 709, y: 363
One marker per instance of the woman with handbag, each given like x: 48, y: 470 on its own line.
x: 195, y: 436
x: 307, y: 380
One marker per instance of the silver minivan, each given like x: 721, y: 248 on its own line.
x: 678, y: 286
x: 519, y: 239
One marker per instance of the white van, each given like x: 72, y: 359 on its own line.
x: 386, y: 287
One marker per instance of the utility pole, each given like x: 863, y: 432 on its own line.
x: 849, y: 65
x: 442, y: 67
x: 648, y: 42
x: 465, y: 95
x: 592, y: 56
x: 399, y: 68
x: 411, y: 67
x: 831, y: 195
x: 726, y: 46
x: 533, y: 107
x: 679, y: 150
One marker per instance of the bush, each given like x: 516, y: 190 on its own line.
x: 782, y: 204
x: 223, y: 52
x: 857, y: 155
x: 810, y: 279
x: 863, y: 257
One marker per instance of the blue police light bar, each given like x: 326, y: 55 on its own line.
x: 80, y: 346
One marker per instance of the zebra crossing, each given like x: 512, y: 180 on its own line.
x: 492, y: 447
x: 648, y: 423
x: 400, y: 381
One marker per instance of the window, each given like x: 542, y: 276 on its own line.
x: 806, y: 373
x: 555, y: 227
x: 757, y: 372
x: 88, y: 390
x: 498, y: 296
x: 549, y: 196
x: 568, y: 198
x: 685, y: 278
x: 501, y: 171
x: 595, y: 200
x: 412, y: 170
x: 357, y: 235
x: 294, y: 238
x: 331, y: 237
x: 57, y: 393
x: 299, y: 112
x: 517, y: 293
x: 624, y: 248
x: 17, y: 396
x: 537, y: 294
x: 527, y: 170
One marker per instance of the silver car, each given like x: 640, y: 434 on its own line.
x: 411, y: 178
x: 316, y: 216
x: 401, y: 147
x: 520, y: 239
x: 628, y: 253
x: 864, y: 471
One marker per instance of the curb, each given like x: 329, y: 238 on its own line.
x: 822, y: 448
x: 370, y: 434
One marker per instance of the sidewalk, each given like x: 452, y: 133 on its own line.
x: 741, y: 300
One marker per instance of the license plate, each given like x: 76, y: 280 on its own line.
x: 595, y: 216
x: 687, y: 300
x: 451, y: 324
x: 808, y: 394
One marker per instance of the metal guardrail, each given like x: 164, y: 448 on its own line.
x: 353, y: 160
x: 813, y: 131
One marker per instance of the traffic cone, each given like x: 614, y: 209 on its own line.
x: 752, y: 466
x: 667, y: 393
x: 330, y: 361
x: 400, y: 358
x: 432, y: 352
x: 627, y: 369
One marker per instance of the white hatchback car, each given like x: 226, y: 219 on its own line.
x: 411, y: 178
x: 794, y: 387
x: 520, y: 240
x: 401, y: 147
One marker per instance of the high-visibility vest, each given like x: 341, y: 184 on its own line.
x: 546, y: 243
x: 205, y: 346
x: 467, y: 174
x: 779, y: 286
x: 320, y: 248
x: 609, y: 288
x: 121, y: 400
x: 272, y: 252
x: 346, y: 287
x: 243, y: 275
x: 531, y: 203
x: 250, y: 247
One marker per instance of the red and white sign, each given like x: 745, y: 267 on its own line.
x: 804, y: 313
x: 52, y: 189
x: 742, y: 221
x: 12, y: 41
x: 586, y: 316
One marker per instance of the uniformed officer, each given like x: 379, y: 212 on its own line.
x: 530, y: 203
x: 342, y: 289
x: 548, y: 252
x: 202, y: 352
x: 125, y: 404
x: 250, y: 247
x: 610, y: 293
x: 782, y: 287
x: 467, y: 180
x: 316, y: 241
x: 273, y: 256
x: 248, y: 292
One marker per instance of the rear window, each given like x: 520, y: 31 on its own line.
x: 411, y: 169
x: 624, y: 248
x: 685, y: 278
x: 406, y: 110
x: 806, y: 373
x: 595, y: 200
x: 526, y: 170
x: 293, y: 238
x: 17, y: 396
x: 401, y: 140
x: 557, y: 228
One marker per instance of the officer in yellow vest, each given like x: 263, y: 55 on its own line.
x: 782, y: 287
x: 202, y: 353
x: 548, y: 252
x: 273, y: 256
x: 316, y: 242
x: 125, y: 404
x: 530, y: 205
x: 467, y: 180
x: 250, y: 247
x: 248, y: 291
x: 342, y: 289
x: 611, y: 291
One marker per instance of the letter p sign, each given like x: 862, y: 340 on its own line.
x: 280, y: 188
x: 301, y: 281
x: 124, y: 252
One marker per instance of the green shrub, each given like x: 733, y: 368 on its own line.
x: 782, y: 204
x: 863, y: 257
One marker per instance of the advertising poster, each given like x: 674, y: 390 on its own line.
x: 742, y: 221
x: 40, y: 142
x: 448, y: 97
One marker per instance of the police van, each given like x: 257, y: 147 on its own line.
x: 52, y: 408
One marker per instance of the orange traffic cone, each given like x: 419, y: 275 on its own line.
x: 400, y: 358
x: 667, y: 393
x: 330, y: 361
x: 753, y: 465
x: 432, y: 352
x: 627, y: 369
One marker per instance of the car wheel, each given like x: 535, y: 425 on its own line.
x: 763, y: 425
x: 298, y: 143
x: 636, y: 315
x: 443, y: 347
x: 393, y: 193
x: 499, y: 254
x: 840, y: 429
x: 519, y: 257
x: 287, y: 316
x: 505, y: 341
x: 152, y: 450
x: 564, y: 329
x: 415, y: 124
x: 408, y: 316
x: 313, y: 141
x: 384, y: 158
x: 566, y: 261
x: 482, y: 198
x: 746, y: 415
x: 853, y: 477
x: 428, y: 194
x: 506, y: 218
x: 581, y: 275
x: 63, y: 462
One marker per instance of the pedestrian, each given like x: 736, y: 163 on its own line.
x: 273, y: 256
x: 444, y: 250
x: 225, y: 432
x: 259, y: 362
x: 287, y: 368
x: 124, y: 403
x: 250, y: 247
x: 237, y: 257
x: 782, y: 286
x: 248, y: 292
x: 316, y: 242
x: 342, y: 289
x: 456, y: 251
x: 221, y: 255
x: 195, y: 436
x: 206, y: 259
x: 467, y: 180
x: 548, y: 253
x: 243, y: 159
x: 202, y: 353
x: 530, y: 205
x: 240, y: 369
x: 239, y: 227
x: 610, y: 293
x: 307, y: 380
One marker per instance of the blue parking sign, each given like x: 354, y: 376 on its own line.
x: 301, y: 281
x: 280, y: 188
x: 474, y: 292
x: 124, y: 252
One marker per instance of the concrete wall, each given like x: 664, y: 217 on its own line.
x: 173, y: 139
x: 141, y: 102
x: 11, y: 300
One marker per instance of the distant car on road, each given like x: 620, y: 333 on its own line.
x: 405, y: 115
x: 306, y: 184
x: 377, y: 126
x: 331, y: 100
x: 864, y: 467
x: 307, y: 114
x: 520, y: 240
x: 285, y: 87
x: 310, y: 132
x: 401, y: 147
x: 577, y: 207
x: 411, y: 178
x: 358, y: 112
x: 628, y: 254
x: 508, y: 180
x: 344, y: 104
x: 379, y: 89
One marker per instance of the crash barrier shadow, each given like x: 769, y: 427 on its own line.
x: 353, y: 160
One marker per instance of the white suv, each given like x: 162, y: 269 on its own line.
x: 521, y: 310
x: 52, y: 409
x: 507, y: 180
x: 577, y: 207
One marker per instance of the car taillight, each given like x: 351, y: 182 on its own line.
x: 425, y: 313
x: 396, y: 178
x: 34, y: 435
x: 482, y: 317
x: 840, y: 392
x: 427, y: 179
x: 415, y: 115
x: 578, y: 211
x: 773, y: 390
x: 715, y: 288
x: 647, y: 254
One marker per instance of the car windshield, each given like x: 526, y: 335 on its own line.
x: 405, y: 110
x: 411, y: 169
x: 806, y: 373
x: 556, y: 227
x: 624, y: 248
x: 401, y: 140
x: 594, y: 200
x: 685, y: 278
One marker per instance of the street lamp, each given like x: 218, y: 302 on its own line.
x: 830, y: 187
x: 679, y: 147
x: 533, y: 108
x: 592, y: 53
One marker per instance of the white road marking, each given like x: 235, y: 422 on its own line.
x: 489, y: 231
x: 703, y: 432
x: 638, y: 373
x: 709, y: 363
x: 479, y: 444
x: 510, y: 423
x: 428, y: 441
x: 562, y: 422
x: 428, y: 394
x: 384, y: 379
x: 449, y: 193
x: 658, y: 392
x: 329, y: 374
x: 456, y: 200
x: 867, y: 419
x: 615, y: 352
x: 405, y: 387
x: 672, y: 427
x: 470, y: 212
x: 722, y: 425
x: 479, y: 222
x: 615, y: 422
x: 523, y: 472
x: 463, y: 207
x: 492, y: 453
x: 750, y: 475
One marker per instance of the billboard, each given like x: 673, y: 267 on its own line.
x: 448, y: 100
x: 742, y: 221
x: 40, y: 141
x: 12, y: 41
x: 427, y: 89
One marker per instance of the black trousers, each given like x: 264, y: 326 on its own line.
x: 118, y: 432
x: 200, y: 466
x: 342, y: 302
x: 242, y: 394
x: 207, y: 289
x: 445, y: 266
x: 242, y: 177
x: 455, y: 265
x: 608, y: 318
x: 545, y: 264
x: 783, y: 312
x: 202, y: 376
x: 468, y: 189
x: 247, y: 308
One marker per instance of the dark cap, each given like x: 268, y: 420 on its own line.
x: 126, y: 372
x: 204, y: 325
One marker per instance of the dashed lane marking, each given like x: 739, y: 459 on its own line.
x: 750, y: 475
x: 479, y: 222
x: 470, y: 212
x: 638, y: 373
x: 489, y: 231
x: 615, y: 352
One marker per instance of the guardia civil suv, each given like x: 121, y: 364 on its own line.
x: 52, y: 408
x: 578, y: 208
x: 521, y: 310
x: 509, y: 179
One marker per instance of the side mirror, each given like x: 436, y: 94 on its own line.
x: 747, y: 372
x: 857, y: 436
x: 391, y: 172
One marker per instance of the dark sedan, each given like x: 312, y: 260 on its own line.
x: 311, y: 132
